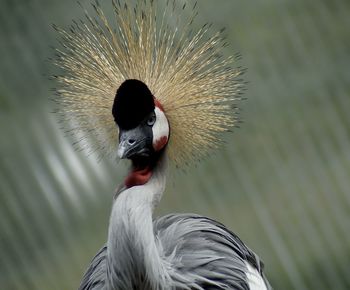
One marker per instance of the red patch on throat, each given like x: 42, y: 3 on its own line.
x: 160, y: 143
x: 138, y: 177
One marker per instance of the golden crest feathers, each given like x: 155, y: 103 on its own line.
x: 184, y: 69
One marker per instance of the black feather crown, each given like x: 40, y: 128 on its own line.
x: 132, y: 104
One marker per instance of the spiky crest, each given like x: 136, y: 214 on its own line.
x: 184, y: 69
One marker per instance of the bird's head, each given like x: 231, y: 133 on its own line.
x: 143, y: 126
x: 184, y: 69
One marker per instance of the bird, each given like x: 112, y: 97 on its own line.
x: 150, y: 87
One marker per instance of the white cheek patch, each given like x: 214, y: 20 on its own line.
x: 160, y: 130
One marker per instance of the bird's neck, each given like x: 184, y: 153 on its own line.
x: 132, y: 253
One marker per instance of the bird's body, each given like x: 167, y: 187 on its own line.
x: 177, y: 251
x: 172, y: 92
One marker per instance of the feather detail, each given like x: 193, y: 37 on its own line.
x: 186, y: 71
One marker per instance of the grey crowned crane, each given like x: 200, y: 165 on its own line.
x: 171, y: 92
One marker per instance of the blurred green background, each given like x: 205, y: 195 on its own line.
x: 282, y: 182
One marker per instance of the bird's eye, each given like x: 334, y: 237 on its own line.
x: 151, y: 120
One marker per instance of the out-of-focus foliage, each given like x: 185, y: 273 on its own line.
x: 282, y: 182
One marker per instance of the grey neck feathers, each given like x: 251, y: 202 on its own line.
x: 133, y: 258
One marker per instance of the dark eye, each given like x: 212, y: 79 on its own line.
x: 151, y: 120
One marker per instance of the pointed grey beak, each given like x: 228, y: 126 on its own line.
x: 122, y: 149
x: 134, y: 142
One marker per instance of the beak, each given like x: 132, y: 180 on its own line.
x: 132, y: 143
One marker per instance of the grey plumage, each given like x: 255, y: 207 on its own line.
x: 203, y: 253
x: 206, y: 251
x: 95, y: 276
x: 178, y: 251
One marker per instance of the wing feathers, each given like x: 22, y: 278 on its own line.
x: 203, y: 255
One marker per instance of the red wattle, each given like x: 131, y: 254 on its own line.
x: 138, y: 177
